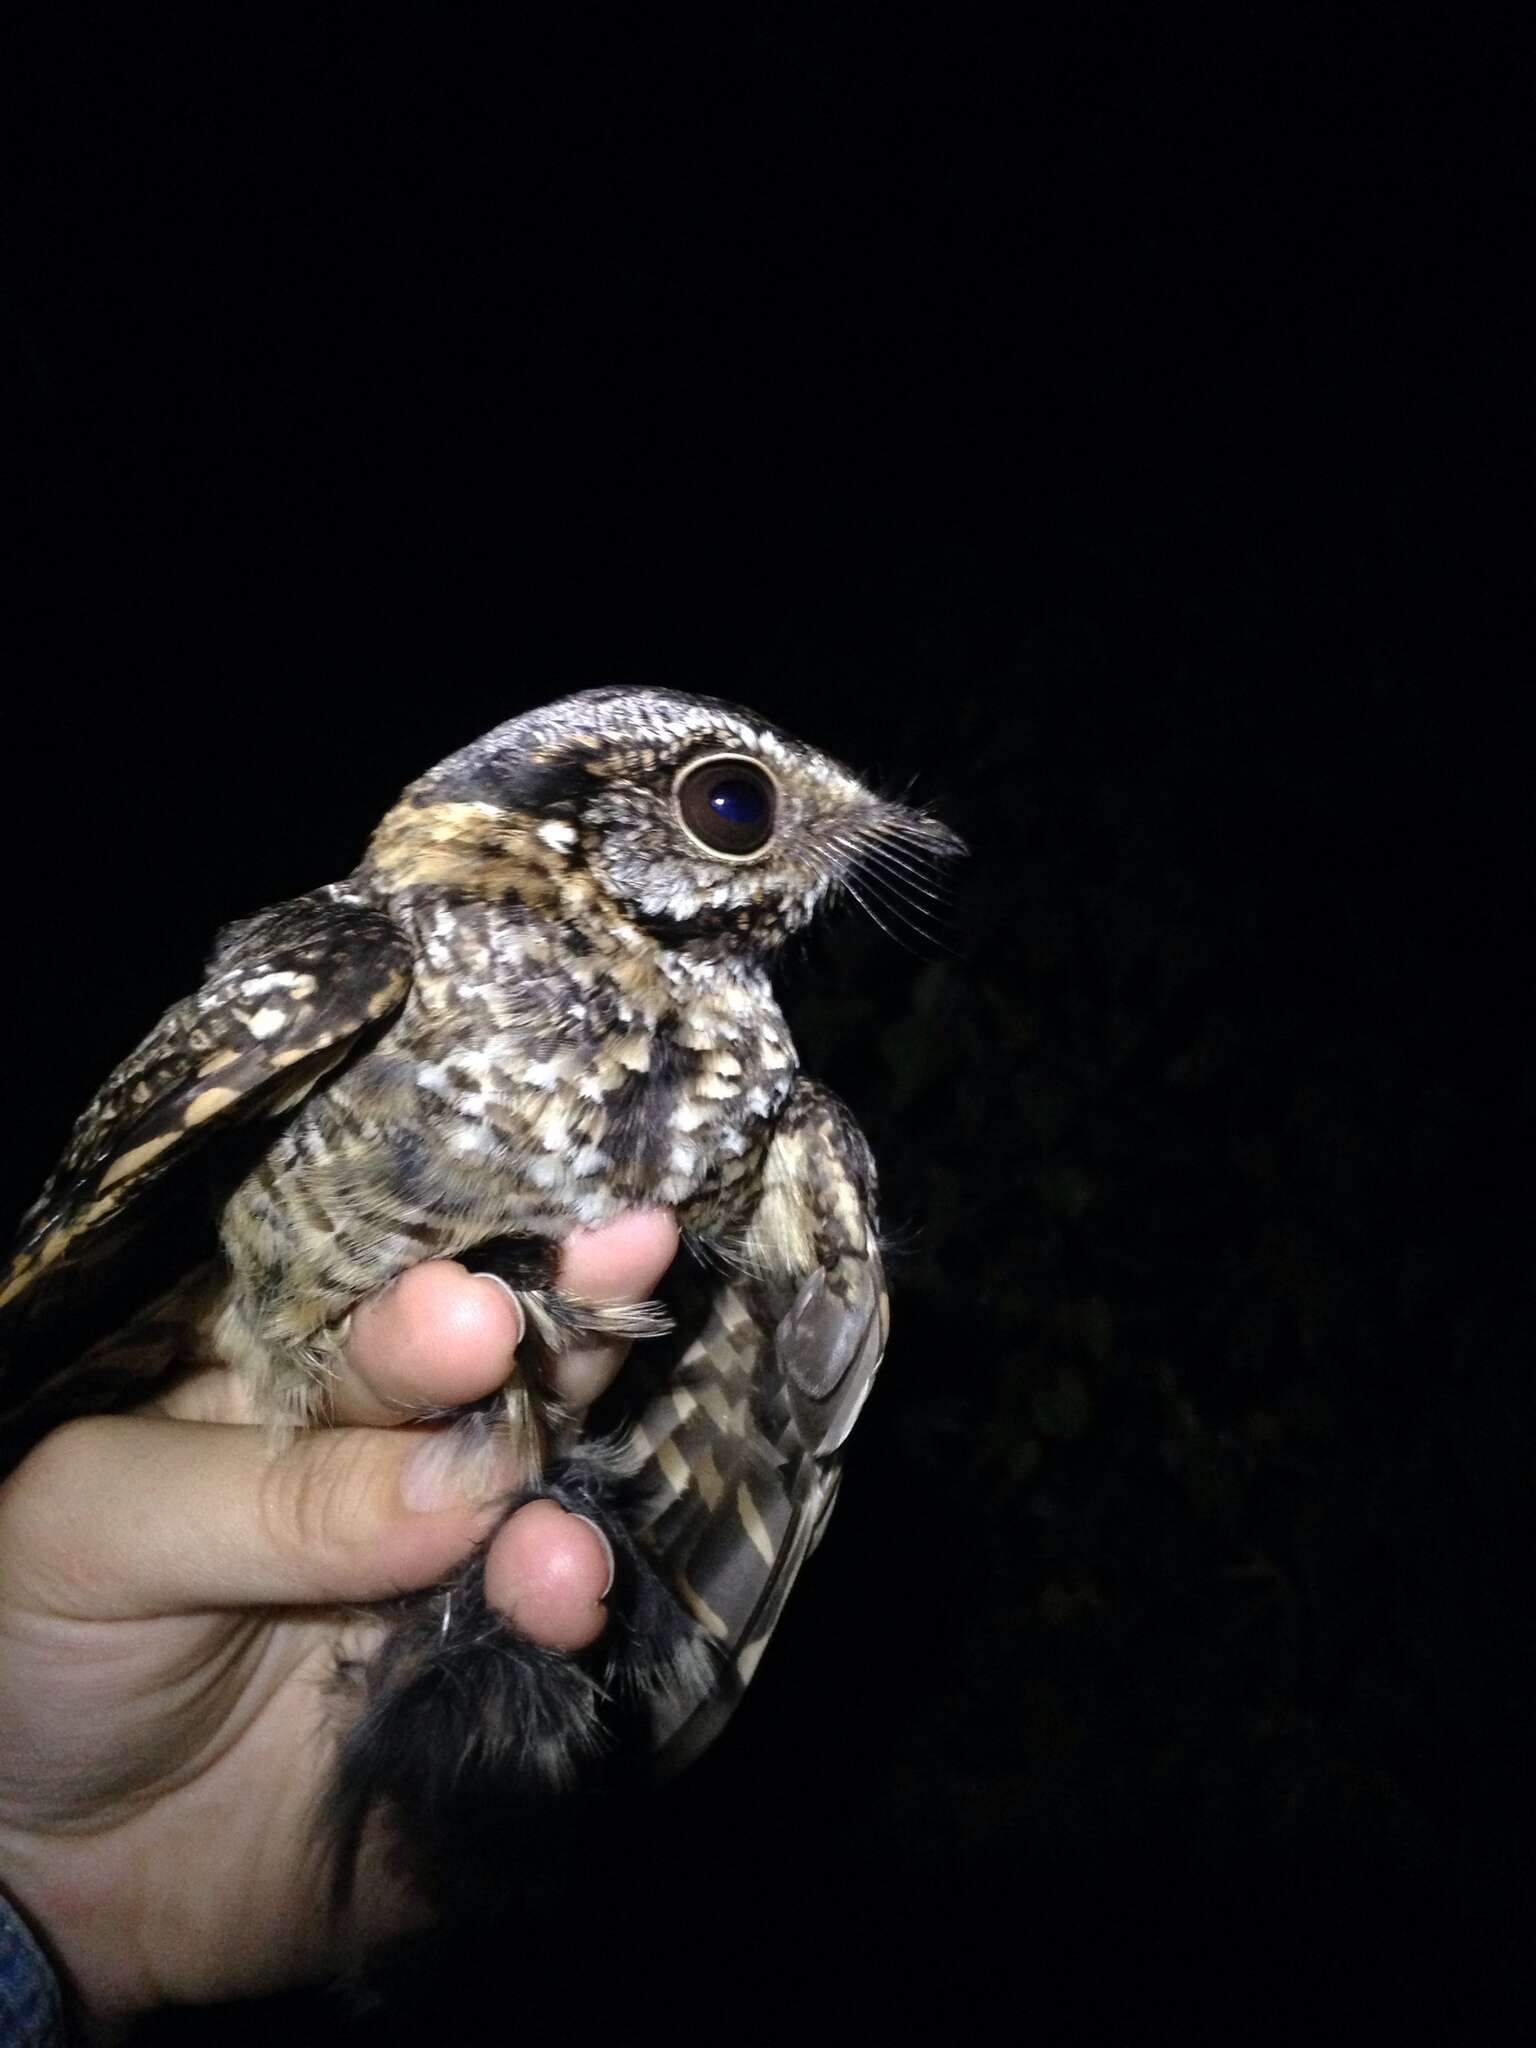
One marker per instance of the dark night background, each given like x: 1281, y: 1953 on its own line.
x: 1121, y: 430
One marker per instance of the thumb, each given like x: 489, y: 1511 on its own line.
x: 120, y: 1517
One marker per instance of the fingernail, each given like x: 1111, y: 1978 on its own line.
x: 495, y: 1280
x: 450, y: 1469
x: 584, y: 1372
x: 607, y: 1552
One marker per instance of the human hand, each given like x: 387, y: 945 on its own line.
x: 173, y: 1596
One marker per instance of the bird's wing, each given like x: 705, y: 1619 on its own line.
x: 741, y: 1444
x: 287, y: 993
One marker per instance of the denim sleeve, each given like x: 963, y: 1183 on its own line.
x: 29, y: 1991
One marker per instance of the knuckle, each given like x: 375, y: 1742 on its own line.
x: 319, y: 1496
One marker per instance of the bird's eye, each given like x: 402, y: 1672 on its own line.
x: 727, y: 804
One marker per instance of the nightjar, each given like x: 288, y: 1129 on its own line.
x: 541, y: 1000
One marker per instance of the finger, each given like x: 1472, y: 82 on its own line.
x: 549, y: 1572
x: 439, y: 1337
x: 624, y: 1261
x: 132, y: 1516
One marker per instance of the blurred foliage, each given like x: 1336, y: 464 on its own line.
x: 1211, y: 1380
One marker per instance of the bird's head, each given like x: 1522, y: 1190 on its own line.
x: 697, y: 820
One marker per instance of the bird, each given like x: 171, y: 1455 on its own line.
x: 542, y: 999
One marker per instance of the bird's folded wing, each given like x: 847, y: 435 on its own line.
x: 287, y: 994
x: 741, y: 1444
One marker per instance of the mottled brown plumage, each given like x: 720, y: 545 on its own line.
x: 541, y: 1000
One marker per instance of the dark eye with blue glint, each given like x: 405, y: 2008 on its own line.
x: 727, y: 804
x: 739, y: 802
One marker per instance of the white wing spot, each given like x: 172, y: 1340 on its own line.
x: 754, y: 1525
x: 707, y: 1475
x: 673, y: 1465
x: 717, y: 1408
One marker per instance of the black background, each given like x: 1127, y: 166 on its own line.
x: 1120, y: 429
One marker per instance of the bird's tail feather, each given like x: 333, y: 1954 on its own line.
x: 467, y: 1736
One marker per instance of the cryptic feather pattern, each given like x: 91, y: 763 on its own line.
x: 543, y: 999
